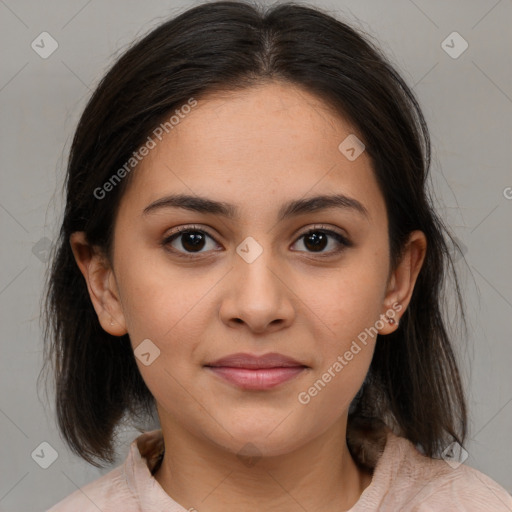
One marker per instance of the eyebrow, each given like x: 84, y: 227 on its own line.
x: 230, y: 211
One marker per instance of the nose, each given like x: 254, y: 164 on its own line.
x: 258, y: 296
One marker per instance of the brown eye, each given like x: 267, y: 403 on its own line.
x: 316, y: 240
x: 192, y: 241
x: 187, y: 241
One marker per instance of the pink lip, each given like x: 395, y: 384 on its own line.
x: 256, y: 379
x: 256, y: 372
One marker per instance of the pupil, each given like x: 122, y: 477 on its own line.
x: 319, y: 241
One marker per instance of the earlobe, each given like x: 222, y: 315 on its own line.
x: 390, y: 319
x: 100, y: 284
x: 402, y: 281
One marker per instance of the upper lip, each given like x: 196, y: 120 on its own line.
x: 270, y: 360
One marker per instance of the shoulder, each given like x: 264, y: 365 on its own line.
x: 99, y: 494
x: 129, y: 487
x: 435, y: 485
x: 406, y: 480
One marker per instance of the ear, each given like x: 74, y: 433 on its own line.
x: 402, y: 280
x: 101, y: 284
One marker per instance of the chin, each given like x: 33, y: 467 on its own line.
x: 256, y: 443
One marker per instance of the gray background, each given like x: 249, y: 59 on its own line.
x: 467, y: 102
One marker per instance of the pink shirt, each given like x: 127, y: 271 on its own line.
x: 403, y: 480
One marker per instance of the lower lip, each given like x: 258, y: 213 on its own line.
x: 263, y: 378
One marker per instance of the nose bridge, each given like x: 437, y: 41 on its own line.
x: 258, y: 295
x: 254, y: 266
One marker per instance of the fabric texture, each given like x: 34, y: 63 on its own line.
x: 403, y: 480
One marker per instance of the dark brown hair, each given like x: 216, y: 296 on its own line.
x: 413, y: 383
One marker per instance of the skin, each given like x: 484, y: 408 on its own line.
x: 256, y: 149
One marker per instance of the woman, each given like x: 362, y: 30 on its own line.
x: 249, y: 250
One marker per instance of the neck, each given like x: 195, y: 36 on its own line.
x: 320, y: 475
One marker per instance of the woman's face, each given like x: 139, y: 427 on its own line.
x: 251, y: 282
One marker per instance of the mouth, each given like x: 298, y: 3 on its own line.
x: 247, y: 371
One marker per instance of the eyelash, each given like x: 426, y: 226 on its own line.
x: 344, y: 242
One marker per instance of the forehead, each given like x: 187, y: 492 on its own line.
x: 269, y: 143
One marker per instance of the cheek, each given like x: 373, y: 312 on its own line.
x: 346, y: 333
x: 160, y: 299
x: 165, y: 305
x: 349, y: 299
x: 348, y: 305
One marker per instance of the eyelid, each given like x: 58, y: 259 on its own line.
x: 314, y: 227
x: 191, y: 227
x: 326, y: 228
